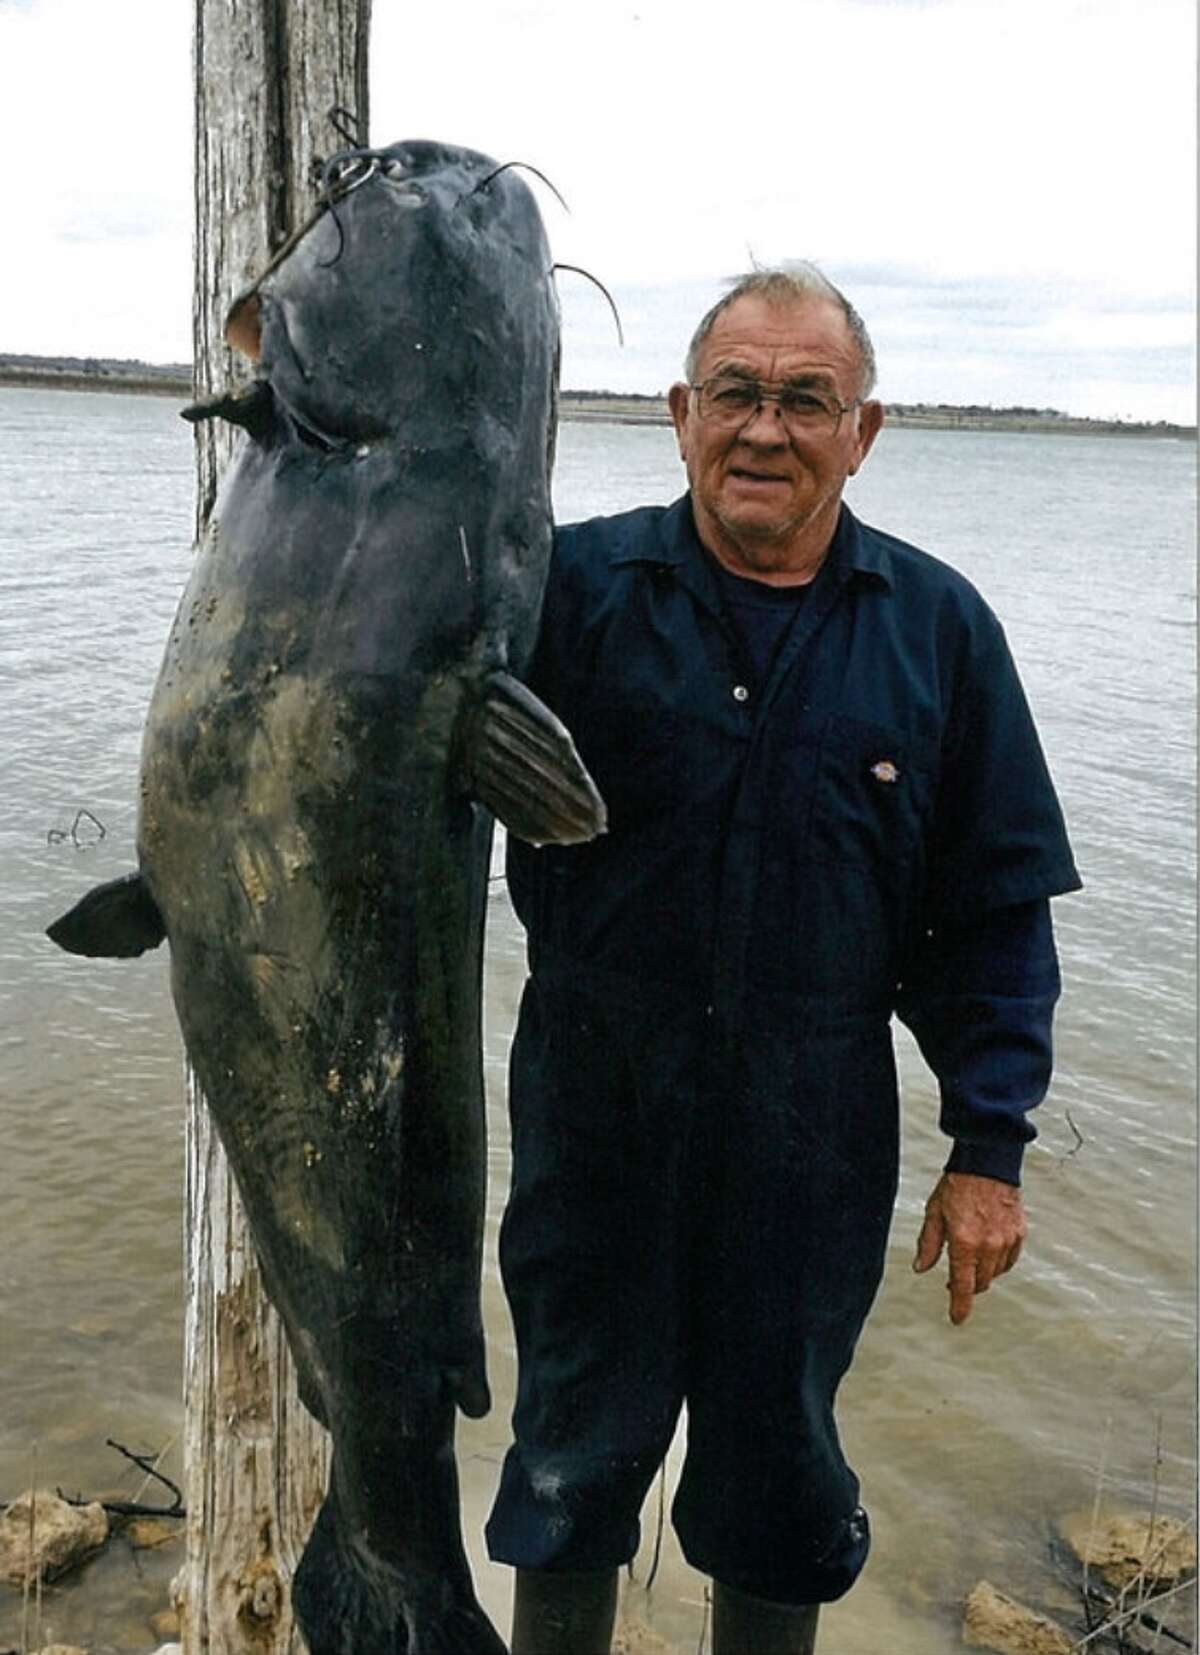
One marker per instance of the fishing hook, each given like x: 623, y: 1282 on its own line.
x: 341, y: 164
x: 342, y: 120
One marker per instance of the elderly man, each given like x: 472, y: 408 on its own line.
x: 827, y: 804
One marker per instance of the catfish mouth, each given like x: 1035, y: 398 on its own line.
x: 243, y: 331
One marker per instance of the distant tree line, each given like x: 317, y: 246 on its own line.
x: 96, y: 367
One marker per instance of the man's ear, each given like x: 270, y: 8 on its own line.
x: 677, y: 402
x: 870, y: 423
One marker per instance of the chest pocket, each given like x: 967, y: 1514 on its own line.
x: 873, y: 794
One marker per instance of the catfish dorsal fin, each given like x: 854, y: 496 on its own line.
x: 115, y: 921
x: 519, y: 760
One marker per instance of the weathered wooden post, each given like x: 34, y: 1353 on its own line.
x: 267, y: 75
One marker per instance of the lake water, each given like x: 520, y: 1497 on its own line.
x: 970, y: 1442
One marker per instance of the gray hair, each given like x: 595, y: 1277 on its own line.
x: 792, y: 281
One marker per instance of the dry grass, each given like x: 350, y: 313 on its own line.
x: 1139, y: 1600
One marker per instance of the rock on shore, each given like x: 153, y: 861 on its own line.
x: 1129, y: 1544
x: 999, y: 1623
x: 62, y: 1536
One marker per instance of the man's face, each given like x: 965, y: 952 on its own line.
x: 765, y: 496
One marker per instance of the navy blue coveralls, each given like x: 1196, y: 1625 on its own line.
x: 703, y: 1090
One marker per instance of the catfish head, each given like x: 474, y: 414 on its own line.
x: 417, y: 304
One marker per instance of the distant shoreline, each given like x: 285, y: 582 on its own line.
x: 588, y: 407
x: 601, y: 406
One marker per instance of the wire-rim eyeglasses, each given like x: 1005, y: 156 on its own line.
x: 732, y: 401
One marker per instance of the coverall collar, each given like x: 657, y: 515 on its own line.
x: 853, y: 552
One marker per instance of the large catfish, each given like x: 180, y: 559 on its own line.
x: 334, y: 724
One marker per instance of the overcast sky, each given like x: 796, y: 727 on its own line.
x: 1005, y: 188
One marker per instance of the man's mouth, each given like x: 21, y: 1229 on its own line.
x: 744, y: 475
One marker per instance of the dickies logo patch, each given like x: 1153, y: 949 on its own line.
x: 885, y: 771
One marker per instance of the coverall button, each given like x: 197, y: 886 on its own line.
x: 740, y: 692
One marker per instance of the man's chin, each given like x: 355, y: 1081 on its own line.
x: 757, y: 526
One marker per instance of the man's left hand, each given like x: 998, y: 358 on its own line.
x: 982, y: 1222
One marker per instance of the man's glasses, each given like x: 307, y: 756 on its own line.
x: 730, y: 401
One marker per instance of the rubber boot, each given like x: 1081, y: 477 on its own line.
x: 743, y: 1625
x: 564, y: 1612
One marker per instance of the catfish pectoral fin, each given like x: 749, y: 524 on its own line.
x: 518, y: 759
x: 115, y: 921
x: 251, y: 406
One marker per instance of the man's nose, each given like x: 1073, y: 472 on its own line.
x: 765, y: 425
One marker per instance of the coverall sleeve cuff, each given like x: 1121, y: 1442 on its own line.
x: 998, y: 1160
